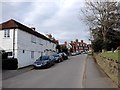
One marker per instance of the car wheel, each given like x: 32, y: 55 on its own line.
x: 49, y: 65
x: 59, y: 61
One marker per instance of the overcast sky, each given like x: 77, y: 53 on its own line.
x: 61, y: 18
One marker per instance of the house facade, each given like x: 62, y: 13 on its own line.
x: 24, y: 43
x: 79, y: 46
x: 76, y: 46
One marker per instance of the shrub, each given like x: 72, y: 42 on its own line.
x: 9, y: 64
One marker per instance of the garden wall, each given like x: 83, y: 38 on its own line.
x: 111, y: 67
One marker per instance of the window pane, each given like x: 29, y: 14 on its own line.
x: 9, y: 53
x: 4, y: 33
x: 8, y: 33
x: 32, y: 54
x: 33, y: 39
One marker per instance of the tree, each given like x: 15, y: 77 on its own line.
x: 102, y: 18
x: 58, y: 48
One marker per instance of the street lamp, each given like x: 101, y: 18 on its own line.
x: 91, y: 45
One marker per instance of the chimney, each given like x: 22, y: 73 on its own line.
x: 33, y: 28
x: 49, y: 35
x: 81, y: 41
x: 65, y: 43
x: 76, y: 40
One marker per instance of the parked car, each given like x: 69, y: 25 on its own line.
x: 44, y: 61
x: 73, y: 54
x: 84, y: 52
x: 78, y: 52
x: 61, y: 57
x: 58, y: 57
x: 64, y: 55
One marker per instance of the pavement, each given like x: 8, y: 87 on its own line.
x: 78, y: 72
x: 6, y: 74
x: 95, y: 77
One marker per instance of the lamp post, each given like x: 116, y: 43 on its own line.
x: 91, y: 45
x: 91, y: 39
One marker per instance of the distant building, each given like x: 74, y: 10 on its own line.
x: 79, y: 46
x: 52, y: 38
x: 55, y: 41
x: 76, y: 46
x: 24, y: 43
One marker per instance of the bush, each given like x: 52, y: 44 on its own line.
x: 9, y: 64
x: 4, y: 55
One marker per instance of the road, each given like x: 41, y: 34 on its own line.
x: 67, y: 74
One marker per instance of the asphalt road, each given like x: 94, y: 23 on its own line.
x: 67, y: 74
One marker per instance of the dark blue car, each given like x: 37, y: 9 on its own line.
x: 58, y: 58
x: 44, y: 61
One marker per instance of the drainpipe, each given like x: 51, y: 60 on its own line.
x: 13, y: 43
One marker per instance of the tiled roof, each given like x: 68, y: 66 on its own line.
x: 12, y: 24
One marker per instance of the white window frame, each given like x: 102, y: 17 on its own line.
x: 6, y: 33
x: 46, y: 43
x: 40, y: 41
x: 33, y: 39
x: 32, y: 54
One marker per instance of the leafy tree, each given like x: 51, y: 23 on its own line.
x: 58, y: 48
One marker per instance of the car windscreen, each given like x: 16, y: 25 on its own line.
x: 56, y: 55
x: 44, y: 58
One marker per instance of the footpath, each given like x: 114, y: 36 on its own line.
x: 12, y: 73
x: 94, y: 77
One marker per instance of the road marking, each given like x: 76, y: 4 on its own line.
x: 83, y: 72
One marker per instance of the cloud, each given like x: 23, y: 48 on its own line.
x: 58, y: 17
x: 41, y: 11
x: 15, y: 10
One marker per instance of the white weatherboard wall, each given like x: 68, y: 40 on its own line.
x: 24, y: 45
x: 6, y: 43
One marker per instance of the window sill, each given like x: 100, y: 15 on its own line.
x: 34, y: 42
x: 41, y: 44
x: 6, y: 38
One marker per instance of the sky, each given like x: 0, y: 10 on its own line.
x: 61, y: 18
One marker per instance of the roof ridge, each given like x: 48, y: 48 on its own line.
x: 12, y: 24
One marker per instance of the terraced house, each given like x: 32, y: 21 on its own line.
x: 24, y: 43
x: 79, y: 46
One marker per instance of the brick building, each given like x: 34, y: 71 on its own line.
x: 79, y: 46
x: 76, y: 46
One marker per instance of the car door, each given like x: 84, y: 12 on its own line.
x: 52, y: 59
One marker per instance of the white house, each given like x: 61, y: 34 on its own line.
x: 24, y: 43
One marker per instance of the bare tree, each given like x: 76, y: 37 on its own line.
x: 101, y: 16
